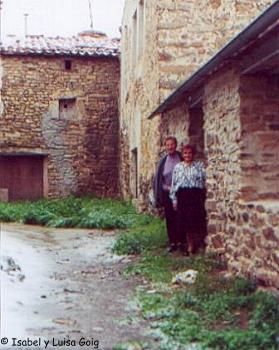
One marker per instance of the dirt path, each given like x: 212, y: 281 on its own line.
x: 69, y: 286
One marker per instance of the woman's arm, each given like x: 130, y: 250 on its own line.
x: 203, y: 173
x: 174, y: 185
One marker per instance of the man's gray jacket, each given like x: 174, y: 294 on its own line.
x: 158, y: 181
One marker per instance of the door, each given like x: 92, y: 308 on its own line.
x: 22, y: 176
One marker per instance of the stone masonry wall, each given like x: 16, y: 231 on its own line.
x: 175, y: 122
x: 177, y: 37
x: 245, y: 232
x: 260, y: 136
x: 254, y: 241
x: 242, y: 229
x: 221, y: 105
x: 138, y: 99
x: 190, y: 32
x: 186, y: 125
x: 83, y: 147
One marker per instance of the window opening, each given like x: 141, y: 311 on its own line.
x: 134, y: 180
x: 67, y: 108
x: 68, y: 65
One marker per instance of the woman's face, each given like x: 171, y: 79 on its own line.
x: 188, y: 155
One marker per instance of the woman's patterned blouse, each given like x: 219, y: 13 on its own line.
x: 187, y: 176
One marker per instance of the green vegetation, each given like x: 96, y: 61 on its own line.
x: 215, y: 313
x: 147, y: 234
x: 85, y: 212
x: 223, y: 319
x: 131, y: 345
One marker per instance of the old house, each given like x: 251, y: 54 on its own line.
x: 163, y: 42
x: 226, y: 105
x: 59, y: 116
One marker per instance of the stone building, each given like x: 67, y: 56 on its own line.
x: 163, y: 42
x: 226, y: 105
x: 59, y: 116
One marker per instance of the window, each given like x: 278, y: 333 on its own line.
x: 67, y: 108
x: 140, y: 39
x: 196, y: 131
x: 138, y: 32
x: 68, y: 65
x: 134, y: 173
x: 134, y: 38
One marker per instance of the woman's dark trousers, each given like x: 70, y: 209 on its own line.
x: 171, y: 218
x: 191, y: 217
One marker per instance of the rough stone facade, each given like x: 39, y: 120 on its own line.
x: 68, y: 116
x: 241, y: 147
x: 163, y: 43
x: 242, y: 175
x: 232, y: 119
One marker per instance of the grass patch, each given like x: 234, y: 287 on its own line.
x: 131, y: 345
x: 214, y: 313
x: 214, y: 320
x: 86, y: 212
x: 149, y: 233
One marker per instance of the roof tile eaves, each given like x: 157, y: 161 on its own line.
x: 51, y: 52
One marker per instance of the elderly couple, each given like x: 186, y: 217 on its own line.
x: 179, y: 187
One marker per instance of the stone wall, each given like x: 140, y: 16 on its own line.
x: 260, y: 136
x: 253, y: 241
x: 81, y: 141
x: 176, y: 38
x: 190, y: 32
x: 175, y: 122
x: 138, y: 99
x: 244, y: 232
x: 236, y: 121
x: 186, y: 124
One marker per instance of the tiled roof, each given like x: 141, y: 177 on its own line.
x: 89, y: 43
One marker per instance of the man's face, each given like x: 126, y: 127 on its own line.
x: 170, y: 147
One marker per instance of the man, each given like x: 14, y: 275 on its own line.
x: 161, y: 188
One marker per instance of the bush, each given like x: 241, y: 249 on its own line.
x: 86, y: 212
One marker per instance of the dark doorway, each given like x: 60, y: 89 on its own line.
x: 22, y: 176
x: 196, y: 131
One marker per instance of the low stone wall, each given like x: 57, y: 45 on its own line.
x: 252, y: 247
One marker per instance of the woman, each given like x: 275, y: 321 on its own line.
x: 188, y: 195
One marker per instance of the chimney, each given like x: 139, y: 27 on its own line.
x: 93, y: 34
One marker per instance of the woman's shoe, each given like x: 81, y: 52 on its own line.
x: 183, y: 249
x: 171, y: 248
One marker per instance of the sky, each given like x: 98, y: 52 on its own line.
x: 61, y: 17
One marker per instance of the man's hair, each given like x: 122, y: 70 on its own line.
x: 171, y: 138
x: 186, y: 147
